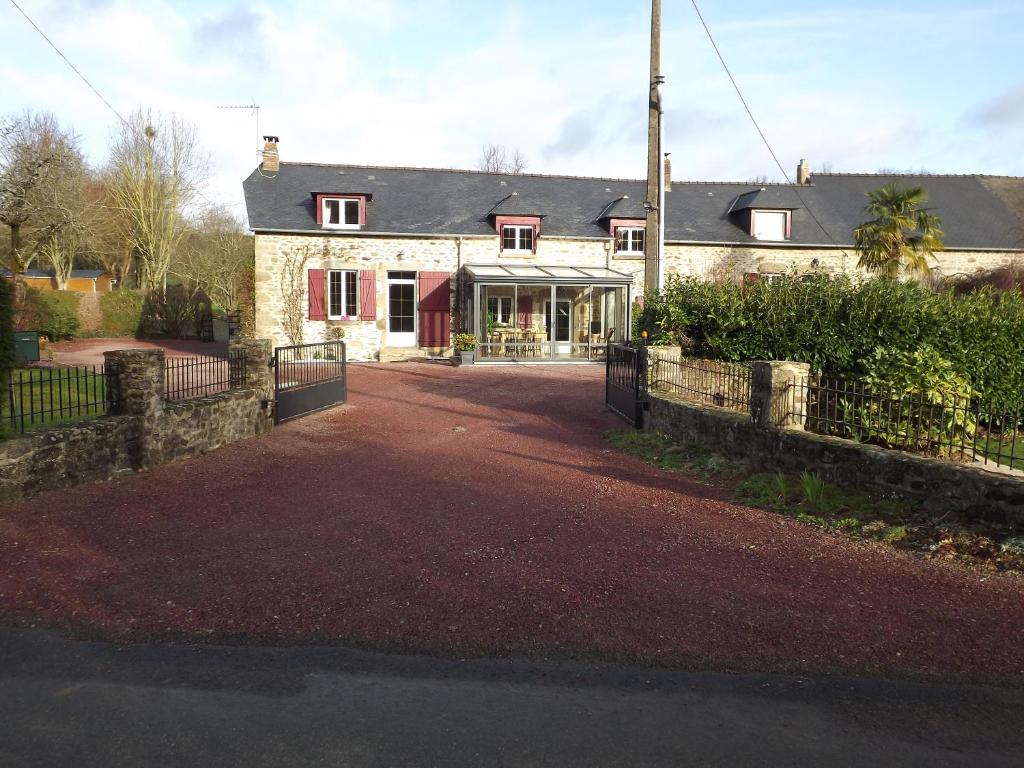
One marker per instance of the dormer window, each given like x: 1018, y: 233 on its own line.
x: 630, y: 240
x: 340, y: 211
x: 517, y: 238
x: 517, y: 235
x: 771, y: 225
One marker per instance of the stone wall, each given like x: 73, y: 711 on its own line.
x: 774, y: 441
x: 143, y: 431
x: 380, y: 253
x: 730, y: 261
x: 365, y: 338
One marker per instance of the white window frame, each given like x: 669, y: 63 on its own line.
x: 519, y: 228
x: 631, y: 232
x: 343, y: 202
x: 499, y: 318
x: 347, y: 312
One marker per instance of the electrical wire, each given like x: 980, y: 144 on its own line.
x: 96, y: 91
x: 757, y: 126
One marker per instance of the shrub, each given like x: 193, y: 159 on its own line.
x: 836, y: 325
x: 921, y: 405
x: 51, y: 313
x: 172, y: 313
x: 122, y: 313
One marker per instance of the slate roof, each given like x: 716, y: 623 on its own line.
x: 768, y: 198
x: 451, y: 202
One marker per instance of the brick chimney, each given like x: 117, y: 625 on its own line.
x: 668, y: 172
x: 271, y: 158
x: 803, y: 174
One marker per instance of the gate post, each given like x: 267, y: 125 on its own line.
x: 256, y: 375
x: 641, y: 385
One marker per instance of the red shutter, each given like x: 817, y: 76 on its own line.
x: 526, y: 312
x: 317, y: 307
x: 435, y: 309
x: 367, y: 294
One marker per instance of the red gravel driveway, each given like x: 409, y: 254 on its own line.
x: 478, y: 511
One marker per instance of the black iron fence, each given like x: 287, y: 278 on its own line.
x: 945, y: 426
x: 48, y: 397
x: 186, y: 378
x: 726, y: 385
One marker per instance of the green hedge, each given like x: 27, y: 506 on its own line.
x: 836, y: 325
x: 53, y: 313
x: 122, y: 313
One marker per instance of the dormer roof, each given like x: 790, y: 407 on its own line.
x: 767, y: 199
x: 625, y: 207
x: 516, y: 205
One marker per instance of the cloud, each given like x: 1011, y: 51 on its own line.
x: 1004, y: 112
x: 236, y: 34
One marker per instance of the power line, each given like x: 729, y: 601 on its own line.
x: 96, y: 91
x: 761, y: 133
x: 68, y: 61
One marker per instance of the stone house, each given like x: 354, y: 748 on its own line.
x: 547, y: 268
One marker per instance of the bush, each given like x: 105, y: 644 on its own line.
x: 51, y: 313
x: 122, y: 313
x: 922, y: 402
x: 174, y: 313
x: 836, y: 325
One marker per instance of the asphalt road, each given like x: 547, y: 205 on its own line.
x: 65, y: 703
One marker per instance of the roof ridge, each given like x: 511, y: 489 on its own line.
x: 468, y: 171
x: 901, y: 174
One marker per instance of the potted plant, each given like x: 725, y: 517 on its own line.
x: 465, y: 345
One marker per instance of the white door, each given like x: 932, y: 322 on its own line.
x: 401, y: 309
x: 560, y: 328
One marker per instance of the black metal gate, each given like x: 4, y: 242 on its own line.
x: 309, y: 378
x: 626, y: 382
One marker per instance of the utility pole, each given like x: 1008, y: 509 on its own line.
x: 654, y: 243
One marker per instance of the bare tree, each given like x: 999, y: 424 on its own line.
x: 156, y: 169
x: 38, y: 160
x: 109, y: 250
x: 495, y: 158
x: 214, y: 257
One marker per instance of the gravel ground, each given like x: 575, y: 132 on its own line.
x: 90, y: 351
x: 477, y: 511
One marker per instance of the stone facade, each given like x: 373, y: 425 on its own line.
x: 364, y: 339
x: 144, y: 431
x: 276, y: 253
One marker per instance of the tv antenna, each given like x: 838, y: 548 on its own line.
x: 254, y: 109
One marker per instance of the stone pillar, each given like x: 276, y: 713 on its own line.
x: 655, y: 355
x: 256, y: 374
x: 138, y: 392
x: 138, y: 381
x: 778, y: 393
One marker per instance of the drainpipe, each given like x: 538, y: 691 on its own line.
x: 459, y: 291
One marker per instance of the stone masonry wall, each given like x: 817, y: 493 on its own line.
x: 144, y: 431
x: 430, y: 254
x: 722, y: 261
x: 445, y: 254
x: 772, y: 439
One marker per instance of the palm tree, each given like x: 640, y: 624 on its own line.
x: 901, y: 235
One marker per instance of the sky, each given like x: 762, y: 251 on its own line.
x: 930, y: 85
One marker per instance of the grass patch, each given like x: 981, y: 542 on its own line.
x: 654, y: 448
x: 46, y: 397
x: 810, y: 500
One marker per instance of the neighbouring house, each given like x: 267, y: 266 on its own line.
x: 80, y: 281
x: 546, y: 268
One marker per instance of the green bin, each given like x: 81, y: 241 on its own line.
x: 26, y: 347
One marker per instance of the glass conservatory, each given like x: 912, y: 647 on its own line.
x: 538, y: 314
